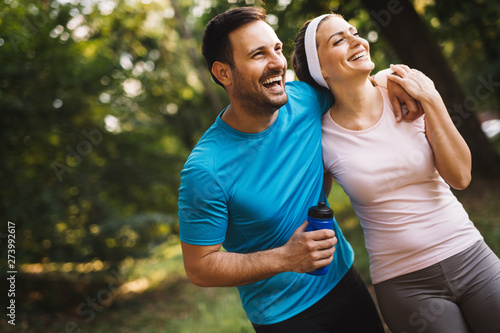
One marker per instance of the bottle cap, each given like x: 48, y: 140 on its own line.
x: 321, y: 212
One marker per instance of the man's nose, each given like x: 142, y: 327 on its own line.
x: 277, y: 61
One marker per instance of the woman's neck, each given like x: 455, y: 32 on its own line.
x: 357, y: 106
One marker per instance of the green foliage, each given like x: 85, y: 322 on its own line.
x: 468, y: 33
x: 93, y: 102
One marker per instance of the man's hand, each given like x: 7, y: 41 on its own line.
x: 307, y: 250
x: 405, y: 107
x: 413, y: 82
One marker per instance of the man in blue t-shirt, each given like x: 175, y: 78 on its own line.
x: 249, y: 182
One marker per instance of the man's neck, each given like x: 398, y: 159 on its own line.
x: 247, y: 122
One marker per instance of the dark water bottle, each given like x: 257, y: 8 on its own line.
x: 319, y: 217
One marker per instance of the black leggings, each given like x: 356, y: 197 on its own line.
x: 348, y: 307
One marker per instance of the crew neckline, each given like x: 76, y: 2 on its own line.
x: 366, y: 130
x: 234, y: 131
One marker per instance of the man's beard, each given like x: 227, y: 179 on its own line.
x: 256, y: 103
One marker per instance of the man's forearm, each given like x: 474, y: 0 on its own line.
x: 228, y: 269
x: 207, y: 266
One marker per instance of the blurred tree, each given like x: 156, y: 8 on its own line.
x: 99, y: 111
x: 468, y: 33
x: 195, y: 58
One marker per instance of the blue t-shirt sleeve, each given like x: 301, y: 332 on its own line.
x: 325, y: 99
x: 304, y: 91
x: 202, y: 208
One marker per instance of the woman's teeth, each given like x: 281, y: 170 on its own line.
x: 357, y: 56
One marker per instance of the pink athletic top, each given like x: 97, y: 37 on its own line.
x: 409, y: 215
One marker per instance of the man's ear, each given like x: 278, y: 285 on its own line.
x: 222, y: 72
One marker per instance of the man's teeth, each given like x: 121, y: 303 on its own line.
x: 272, y: 79
x: 357, y: 56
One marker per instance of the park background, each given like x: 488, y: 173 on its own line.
x: 101, y: 102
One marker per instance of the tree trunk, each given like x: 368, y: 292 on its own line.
x: 404, y: 29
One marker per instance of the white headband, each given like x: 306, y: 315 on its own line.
x: 312, y: 52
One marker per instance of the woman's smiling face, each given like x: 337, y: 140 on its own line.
x: 342, y: 53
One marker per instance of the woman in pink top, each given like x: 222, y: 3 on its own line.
x: 430, y: 267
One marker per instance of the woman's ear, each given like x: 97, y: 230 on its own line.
x: 222, y: 72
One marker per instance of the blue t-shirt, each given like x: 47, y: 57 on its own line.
x: 252, y: 191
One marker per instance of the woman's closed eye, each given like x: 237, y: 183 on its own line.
x: 339, y: 41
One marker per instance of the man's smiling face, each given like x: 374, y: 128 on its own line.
x: 259, y: 68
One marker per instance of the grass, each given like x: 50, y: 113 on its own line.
x: 151, y: 295
x: 154, y: 295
